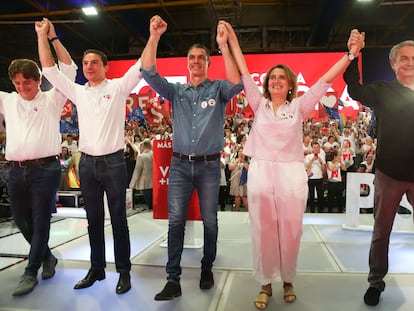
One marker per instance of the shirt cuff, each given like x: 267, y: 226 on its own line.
x: 151, y: 71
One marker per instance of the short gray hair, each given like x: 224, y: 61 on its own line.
x: 394, y: 50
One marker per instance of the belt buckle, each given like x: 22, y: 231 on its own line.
x: 191, y: 158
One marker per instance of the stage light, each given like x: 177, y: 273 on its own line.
x: 90, y: 10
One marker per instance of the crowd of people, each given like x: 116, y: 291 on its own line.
x: 326, y: 174
x: 305, y: 161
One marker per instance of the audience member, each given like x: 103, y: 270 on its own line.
x: 315, y: 164
x: 239, y: 167
x: 142, y: 176
x: 335, y: 185
x: 70, y: 143
x: 65, y: 160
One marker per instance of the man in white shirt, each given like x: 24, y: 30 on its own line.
x: 71, y: 144
x: 315, y: 164
x: 32, y: 148
x: 100, y: 105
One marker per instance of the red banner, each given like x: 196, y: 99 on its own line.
x: 162, y: 153
x: 309, y: 67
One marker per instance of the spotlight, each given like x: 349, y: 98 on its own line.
x: 90, y: 10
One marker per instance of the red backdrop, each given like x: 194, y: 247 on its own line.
x: 308, y: 66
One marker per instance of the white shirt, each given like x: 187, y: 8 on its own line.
x: 33, y: 126
x: 72, y: 147
x: 101, y: 109
x: 316, y: 167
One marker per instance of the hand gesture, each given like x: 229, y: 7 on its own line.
x: 42, y: 27
x: 230, y: 31
x: 356, y: 41
x: 222, y: 34
x: 52, y: 32
x: 157, y: 26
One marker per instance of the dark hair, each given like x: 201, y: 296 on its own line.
x: 331, y: 155
x: 291, y: 77
x: 26, y: 67
x: 200, y: 46
x: 100, y: 53
x: 239, y: 138
x: 363, y: 166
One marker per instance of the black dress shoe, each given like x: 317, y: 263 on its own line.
x: 92, y: 276
x: 206, y: 280
x: 372, y: 296
x: 169, y: 292
x: 124, y: 283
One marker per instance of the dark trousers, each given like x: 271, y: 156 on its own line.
x: 148, y: 197
x: 387, y: 198
x: 223, y: 197
x: 335, y: 193
x: 98, y: 175
x: 32, y: 192
x: 318, y: 185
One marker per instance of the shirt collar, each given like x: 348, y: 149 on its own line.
x: 206, y: 82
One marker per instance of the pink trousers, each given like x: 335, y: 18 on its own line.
x: 277, y: 193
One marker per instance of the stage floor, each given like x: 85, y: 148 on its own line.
x: 332, y: 268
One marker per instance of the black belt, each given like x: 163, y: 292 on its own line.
x: 197, y: 158
x: 35, y: 162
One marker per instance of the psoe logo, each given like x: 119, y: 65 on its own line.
x: 164, y: 144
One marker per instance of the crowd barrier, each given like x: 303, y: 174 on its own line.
x: 354, y: 202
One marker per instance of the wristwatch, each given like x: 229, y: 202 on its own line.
x: 351, y: 56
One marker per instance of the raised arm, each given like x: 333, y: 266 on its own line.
x: 232, y: 72
x: 45, y: 54
x: 235, y: 49
x: 61, y: 52
x: 356, y: 42
x: 157, y: 27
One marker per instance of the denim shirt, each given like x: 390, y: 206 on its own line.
x: 198, y: 112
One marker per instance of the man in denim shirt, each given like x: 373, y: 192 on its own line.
x: 198, y: 110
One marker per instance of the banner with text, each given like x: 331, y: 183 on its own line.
x: 309, y: 67
x: 162, y: 153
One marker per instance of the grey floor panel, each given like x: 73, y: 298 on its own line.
x: 235, y: 231
x: 334, y: 233
x: 350, y: 257
x: 14, y: 244
x: 6, y: 262
x: 310, y: 234
x: 143, y: 233
x: 7, y: 228
x: 317, y: 292
x: 332, y: 269
x: 315, y: 257
x: 146, y: 282
x: 230, y: 255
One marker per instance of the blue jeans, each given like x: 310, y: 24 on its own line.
x: 184, y: 178
x: 99, y: 174
x: 32, y: 192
